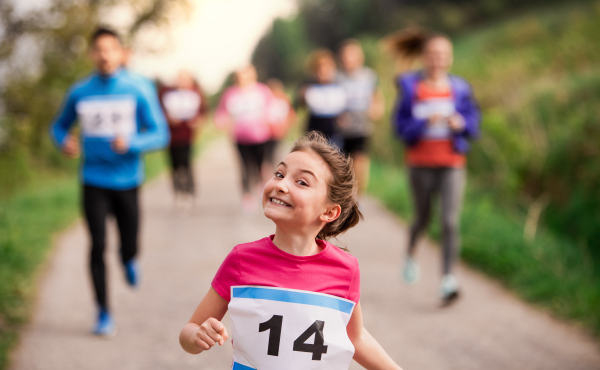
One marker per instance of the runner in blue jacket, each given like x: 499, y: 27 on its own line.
x: 119, y: 120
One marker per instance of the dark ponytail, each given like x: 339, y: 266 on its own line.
x: 408, y: 44
x: 342, y: 184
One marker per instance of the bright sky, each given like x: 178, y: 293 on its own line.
x: 218, y: 37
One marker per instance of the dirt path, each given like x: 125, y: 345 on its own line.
x: 488, y: 329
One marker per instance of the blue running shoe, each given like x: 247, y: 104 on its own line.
x: 105, y: 326
x: 132, y: 273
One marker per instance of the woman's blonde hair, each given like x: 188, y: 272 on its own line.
x: 342, y: 186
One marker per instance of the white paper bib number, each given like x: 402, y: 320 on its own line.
x: 275, y: 329
x: 182, y: 104
x: 326, y: 101
x: 426, y: 109
x: 107, y: 118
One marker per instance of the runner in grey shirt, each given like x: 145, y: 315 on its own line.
x: 364, y: 104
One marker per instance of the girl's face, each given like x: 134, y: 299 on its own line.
x: 245, y: 76
x: 352, y: 58
x: 325, y: 70
x: 185, y: 80
x: 437, y: 56
x: 296, y: 196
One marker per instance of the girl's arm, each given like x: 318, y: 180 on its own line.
x: 377, y: 107
x: 205, y: 328
x: 368, y: 353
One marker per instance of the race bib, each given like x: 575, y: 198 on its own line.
x: 107, y: 118
x: 247, y: 106
x: 275, y: 329
x: 182, y: 104
x: 427, y: 108
x: 325, y: 101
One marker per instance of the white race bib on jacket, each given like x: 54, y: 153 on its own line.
x: 182, y: 104
x: 275, y: 329
x: 107, y: 118
x: 425, y: 109
x: 325, y: 100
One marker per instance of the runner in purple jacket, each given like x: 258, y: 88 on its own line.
x: 436, y: 116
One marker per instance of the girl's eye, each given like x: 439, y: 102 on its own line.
x: 302, y: 182
x: 279, y: 174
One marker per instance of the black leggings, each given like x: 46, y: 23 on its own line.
x: 252, y: 156
x: 98, y: 203
x: 183, y: 177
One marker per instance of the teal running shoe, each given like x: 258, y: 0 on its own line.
x: 410, y: 272
x: 449, y: 289
x: 105, y: 326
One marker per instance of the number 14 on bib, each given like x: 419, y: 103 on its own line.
x: 275, y: 329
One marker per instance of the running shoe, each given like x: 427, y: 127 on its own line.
x: 105, y: 327
x: 410, y: 273
x: 449, y: 289
x: 132, y: 272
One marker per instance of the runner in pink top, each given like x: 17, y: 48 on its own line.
x: 244, y: 112
x: 293, y: 298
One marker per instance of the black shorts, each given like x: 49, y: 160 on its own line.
x: 356, y: 145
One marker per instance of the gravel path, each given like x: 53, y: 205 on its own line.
x: 487, y: 329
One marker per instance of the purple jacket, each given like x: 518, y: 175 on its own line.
x: 411, y: 130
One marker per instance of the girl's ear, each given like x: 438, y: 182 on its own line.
x: 332, y: 212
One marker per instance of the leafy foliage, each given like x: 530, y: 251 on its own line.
x: 42, y: 52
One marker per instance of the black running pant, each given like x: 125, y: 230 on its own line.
x: 181, y: 166
x: 252, y: 156
x: 98, y: 203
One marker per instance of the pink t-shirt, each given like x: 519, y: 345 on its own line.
x: 248, y: 109
x: 260, y: 263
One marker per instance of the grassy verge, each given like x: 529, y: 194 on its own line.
x: 28, y: 222
x: 550, y: 271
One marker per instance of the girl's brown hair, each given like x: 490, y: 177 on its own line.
x: 342, y: 187
x: 409, y: 43
x: 317, y: 56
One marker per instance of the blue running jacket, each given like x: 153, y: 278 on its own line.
x: 107, y: 107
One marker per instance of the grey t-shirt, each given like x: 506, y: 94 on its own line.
x: 360, y: 87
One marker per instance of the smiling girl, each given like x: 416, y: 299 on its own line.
x: 293, y: 297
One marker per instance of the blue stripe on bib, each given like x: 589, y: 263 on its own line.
x: 237, y: 366
x: 292, y: 296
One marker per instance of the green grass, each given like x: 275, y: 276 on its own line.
x: 550, y: 271
x: 28, y: 222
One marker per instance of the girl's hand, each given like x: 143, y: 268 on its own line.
x: 211, y: 332
x: 456, y: 123
x: 434, y: 119
x: 205, y: 328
